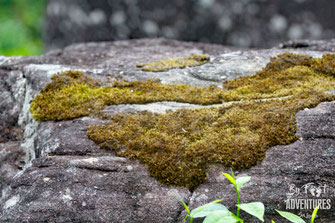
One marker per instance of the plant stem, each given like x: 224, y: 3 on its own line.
x: 237, y: 193
x: 238, y: 201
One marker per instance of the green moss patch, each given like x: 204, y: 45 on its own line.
x: 72, y: 95
x: 173, y: 63
x: 178, y: 146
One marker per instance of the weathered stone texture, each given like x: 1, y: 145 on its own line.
x: 67, y: 178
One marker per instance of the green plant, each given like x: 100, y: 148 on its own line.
x: 295, y: 218
x: 218, y: 213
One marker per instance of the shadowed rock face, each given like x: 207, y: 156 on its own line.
x: 68, y: 178
x: 248, y: 23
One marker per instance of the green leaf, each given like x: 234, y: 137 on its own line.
x: 230, y: 178
x: 255, y: 208
x: 314, y: 213
x: 222, y: 216
x: 206, y: 209
x: 209, y: 209
x: 291, y: 217
x: 241, y: 181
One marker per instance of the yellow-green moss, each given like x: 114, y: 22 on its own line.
x: 68, y: 97
x: 178, y: 146
x: 325, y: 65
x: 173, y: 63
x: 71, y: 94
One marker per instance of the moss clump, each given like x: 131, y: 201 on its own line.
x: 325, y: 65
x: 173, y: 63
x: 287, y: 60
x: 72, y: 95
x: 178, y: 146
x: 285, y: 75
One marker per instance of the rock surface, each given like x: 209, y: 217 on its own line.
x: 247, y: 23
x: 67, y: 178
x: 308, y: 163
x: 11, y: 162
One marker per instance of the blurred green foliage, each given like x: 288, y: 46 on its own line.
x: 20, y: 27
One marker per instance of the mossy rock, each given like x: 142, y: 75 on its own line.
x: 173, y: 63
x: 178, y: 146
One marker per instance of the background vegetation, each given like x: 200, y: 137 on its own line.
x: 20, y: 27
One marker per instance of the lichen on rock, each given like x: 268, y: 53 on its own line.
x: 173, y: 63
x: 178, y: 146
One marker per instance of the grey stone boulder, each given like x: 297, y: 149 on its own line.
x: 12, y: 93
x: 67, y: 178
x: 90, y: 189
x: 11, y: 162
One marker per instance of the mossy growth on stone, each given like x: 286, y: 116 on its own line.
x: 73, y: 94
x: 178, y: 146
x: 173, y: 63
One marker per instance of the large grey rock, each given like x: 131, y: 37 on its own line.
x: 67, y: 178
x: 90, y: 189
x: 247, y: 23
x: 11, y: 162
x: 11, y: 101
